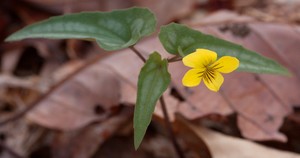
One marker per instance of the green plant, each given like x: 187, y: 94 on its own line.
x: 124, y: 28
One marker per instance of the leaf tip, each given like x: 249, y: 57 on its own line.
x: 16, y: 36
x: 284, y: 71
x: 138, y: 137
x: 9, y: 39
x: 287, y: 73
x: 136, y: 145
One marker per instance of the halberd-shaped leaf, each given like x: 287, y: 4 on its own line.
x: 179, y: 39
x: 112, y: 30
x: 153, y: 80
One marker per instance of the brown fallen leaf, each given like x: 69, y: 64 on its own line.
x: 20, y: 137
x: 86, y: 141
x: 66, y: 70
x: 260, y: 113
x: 81, y: 5
x: 272, y: 11
x: 219, y: 17
x: 86, y: 97
x: 176, y: 9
x: 222, y: 146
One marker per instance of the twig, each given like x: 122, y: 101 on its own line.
x: 165, y: 113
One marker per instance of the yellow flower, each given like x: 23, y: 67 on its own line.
x: 205, y: 66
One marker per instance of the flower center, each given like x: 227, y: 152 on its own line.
x: 209, y: 74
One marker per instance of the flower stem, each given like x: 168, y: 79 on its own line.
x: 169, y: 128
x: 165, y: 113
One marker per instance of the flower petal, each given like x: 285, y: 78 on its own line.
x: 200, y: 58
x: 214, y: 83
x: 226, y: 64
x: 192, y: 77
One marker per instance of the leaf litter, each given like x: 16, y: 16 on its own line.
x: 266, y: 97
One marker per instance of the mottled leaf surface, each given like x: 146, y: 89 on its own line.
x: 112, y: 30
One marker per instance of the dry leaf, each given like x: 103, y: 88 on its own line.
x: 81, y: 5
x: 222, y: 146
x: 219, y: 17
x: 86, y: 97
x: 21, y: 137
x: 176, y: 9
x: 85, y: 142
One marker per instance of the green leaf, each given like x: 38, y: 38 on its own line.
x: 181, y: 40
x: 153, y: 81
x: 112, y: 30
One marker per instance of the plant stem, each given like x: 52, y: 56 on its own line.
x: 175, y: 59
x: 169, y: 128
x: 165, y: 113
x: 138, y: 53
